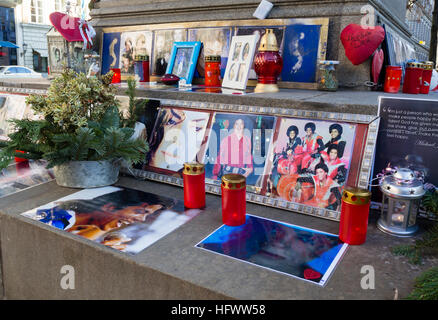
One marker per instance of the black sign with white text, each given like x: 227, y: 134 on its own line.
x: 408, y: 136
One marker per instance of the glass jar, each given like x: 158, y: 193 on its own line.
x: 328, y: 80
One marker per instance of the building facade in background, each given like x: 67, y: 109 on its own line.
x: 33, y: 24
x: 8, y: 56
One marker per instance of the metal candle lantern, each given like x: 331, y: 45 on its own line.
x: 268, y: 63
x: 402, y: 193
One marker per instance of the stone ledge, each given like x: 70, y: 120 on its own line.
x: 33, y: 253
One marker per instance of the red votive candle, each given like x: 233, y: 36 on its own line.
x: 18, y: 159
x: 213, y: 71
x: 413, y: 78
x: 233, y: 200
x: 117, y: 76
x: 354, y: 215
x: 393, y: 79
x: 194, y: 185
x: 427, y: 76
x: 141, y: 67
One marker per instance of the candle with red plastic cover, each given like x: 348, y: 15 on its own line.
x: 194, y: 185
x: 117, y: 76
x: 427, y: 77
x: 213, y: 71
x: 233, y: 200
x: 413, y: 78
x: 354, y: 215
x: 141, y: 67
x: 393, y: 79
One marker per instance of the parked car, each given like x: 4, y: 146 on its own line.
x: 8, y: 72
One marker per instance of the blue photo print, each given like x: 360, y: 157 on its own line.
x: 238, y: 143
x: 300, y: 53
x: 298, y: 252
x: 110, y: 51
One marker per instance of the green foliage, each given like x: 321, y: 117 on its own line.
x: 430, y: 202
x: 136, y: 107
x: 73, y: 99
x: 81, y: 123
x: 426, y: 286
x: 426, y: 246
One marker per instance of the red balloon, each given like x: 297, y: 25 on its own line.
x: 360, y: 43
x: 67, y: 26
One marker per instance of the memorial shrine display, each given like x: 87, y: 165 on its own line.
x: 289, y: 162
x: 302, y: 43
x: 123, y: 219
x: 294, y: 251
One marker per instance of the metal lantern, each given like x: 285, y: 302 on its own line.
x: 402, y: 193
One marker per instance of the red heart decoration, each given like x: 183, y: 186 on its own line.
x: 377, y: 66
x: 360, y: 43
x: 67, y: 26
x: 310, y: 274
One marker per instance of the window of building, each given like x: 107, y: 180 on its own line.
x: 36, y: 11
x: 60, y: 5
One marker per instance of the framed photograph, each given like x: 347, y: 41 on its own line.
x: 132, y: 44
x: 110, y: 51
x: 310, y: 162
x: 178, y: 137
x: 163, y: 43
x: 239, y: 63
x: 238, y: 143
x: 183, y: 60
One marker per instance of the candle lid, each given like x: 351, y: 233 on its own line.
x: 428, y: 65
x: 403, y: 184
x: 193, y: 168
x: 414, y: 64
x: 268, y: 41
x: 234, y: 181
x: 356, y: 196
x: 212, y: 59
x: 141, y: 57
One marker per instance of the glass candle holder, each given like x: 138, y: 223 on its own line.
x: 213, y: 71
x: 413, y: 78
x: 354, y: 215
x: 427, y: 77
x: 117, y: 76
x: 393, y: 79
x: 194, y: 185
x: 328, y: 79
x: 233, y: 200
x: 141, y: 67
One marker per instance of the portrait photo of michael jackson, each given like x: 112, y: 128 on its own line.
x: 177, y: 138
x: 239, y: 144
x: 310, y: 162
